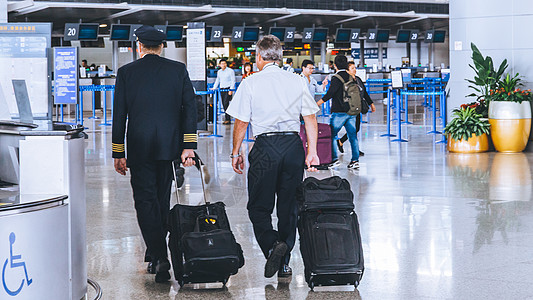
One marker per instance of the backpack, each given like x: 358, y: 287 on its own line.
x: 351, y: 95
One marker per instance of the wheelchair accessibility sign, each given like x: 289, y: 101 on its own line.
x: 14, y: 266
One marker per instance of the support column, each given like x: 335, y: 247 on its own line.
x: 362, y: 53
x: 408, y: 52
x: 418, y: 52
x: 311, y: 53
x: 3, y: 11
x: 323, y: 54
x: 115, y: 56
x: 431, y: 53
x: 380, y: 56
x: 134, y: 51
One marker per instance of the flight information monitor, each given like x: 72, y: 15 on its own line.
x: 120, y: 32
x: 278, y: 32
x: 251, y: 34
x: 439, y: 36
x: 174, y: 33
x: 88, y: 32
x: 320, y: 35
x: 403, y: 36
x: 343, y: 35
x: 378, y: 35
x: 81, y: 32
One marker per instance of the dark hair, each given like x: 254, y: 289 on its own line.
x: 350, y: 63
x: 223, y: 60
x: 307, y: 62
x: 247, y: 65
x: 341, y: 62
x: 289, y: 60
x: 330, y: 61
x: 152, y: 48
x: 85, y: 61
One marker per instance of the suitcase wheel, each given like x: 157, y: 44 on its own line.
x: 312, y: 285
x: 356, y: 284
x: 225, y: 281
x: 181, y: 283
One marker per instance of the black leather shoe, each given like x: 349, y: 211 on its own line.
x: 361, y: 153
x: 161, y: 270
x: 285, y: 271
x: 150, y: 268
x: 274, y: 259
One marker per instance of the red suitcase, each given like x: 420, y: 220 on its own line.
x: 324, y: 142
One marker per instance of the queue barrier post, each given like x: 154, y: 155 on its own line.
x: 80, y: 107
x: 388, y: 134
x: 443, y: 116
x: 397, y: 97
x: 406, y: 99
x: 215, y: 115
x: 104, y: 90
x: 94, y: 109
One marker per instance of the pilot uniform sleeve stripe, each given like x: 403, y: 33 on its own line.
x: 190, y: 138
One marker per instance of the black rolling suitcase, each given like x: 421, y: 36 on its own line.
x: 202, y: 247
x: 330, y: 241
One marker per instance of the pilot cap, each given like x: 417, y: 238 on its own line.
x: 150, y: 36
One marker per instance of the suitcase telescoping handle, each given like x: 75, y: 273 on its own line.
x: 198, y: 162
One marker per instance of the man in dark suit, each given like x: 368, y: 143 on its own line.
x: 155, y: 94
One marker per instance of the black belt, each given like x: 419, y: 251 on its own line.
x: 281, y: 133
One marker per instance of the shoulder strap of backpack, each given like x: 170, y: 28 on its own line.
x: 339, y: 77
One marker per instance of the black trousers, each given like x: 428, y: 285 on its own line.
x: 276, y: 169
x: 151, y: 182
x: 344, y: 138
x: 226, y: 98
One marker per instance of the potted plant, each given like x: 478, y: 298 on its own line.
x: 467, y: 132
x: 485, y: 80
x: 510, y: 115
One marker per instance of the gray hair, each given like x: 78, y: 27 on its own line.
x: 269, y: 47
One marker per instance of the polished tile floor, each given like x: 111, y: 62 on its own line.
x: 434, y: 225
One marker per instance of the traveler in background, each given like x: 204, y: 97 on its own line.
x: 247, y: 68
x: 339, y: 116
x: 272, y: 100
x: 288, y: 65
x: 331, y: 67
x: 352, y: 70
x: 84, y: 64
x: 307, y: 69
x: 225, y: 80
x: 156, y: 97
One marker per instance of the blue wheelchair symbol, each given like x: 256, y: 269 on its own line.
x: 14, y: 265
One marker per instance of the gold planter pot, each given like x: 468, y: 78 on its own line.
x: 510, y: 125
x: 475, y: 144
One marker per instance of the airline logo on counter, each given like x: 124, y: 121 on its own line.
x: 11, y: 284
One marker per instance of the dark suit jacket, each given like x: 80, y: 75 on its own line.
x: 156, y: 97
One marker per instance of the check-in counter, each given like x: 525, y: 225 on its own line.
x: 34, y: 247
x: 51, y: 161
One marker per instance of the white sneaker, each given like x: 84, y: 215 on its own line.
x: 353, y: 165
x: 334, y: 164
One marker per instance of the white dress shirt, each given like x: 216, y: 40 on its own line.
x: 313, y: 85
x: 225, y: 79
x: 272, y: 101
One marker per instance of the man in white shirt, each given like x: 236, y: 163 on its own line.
x: 225, y: 80
x: 288, y: 65
x: 307, y: 69
x: 272, y: 100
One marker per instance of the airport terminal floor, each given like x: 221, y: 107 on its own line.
x: 434, y: 225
